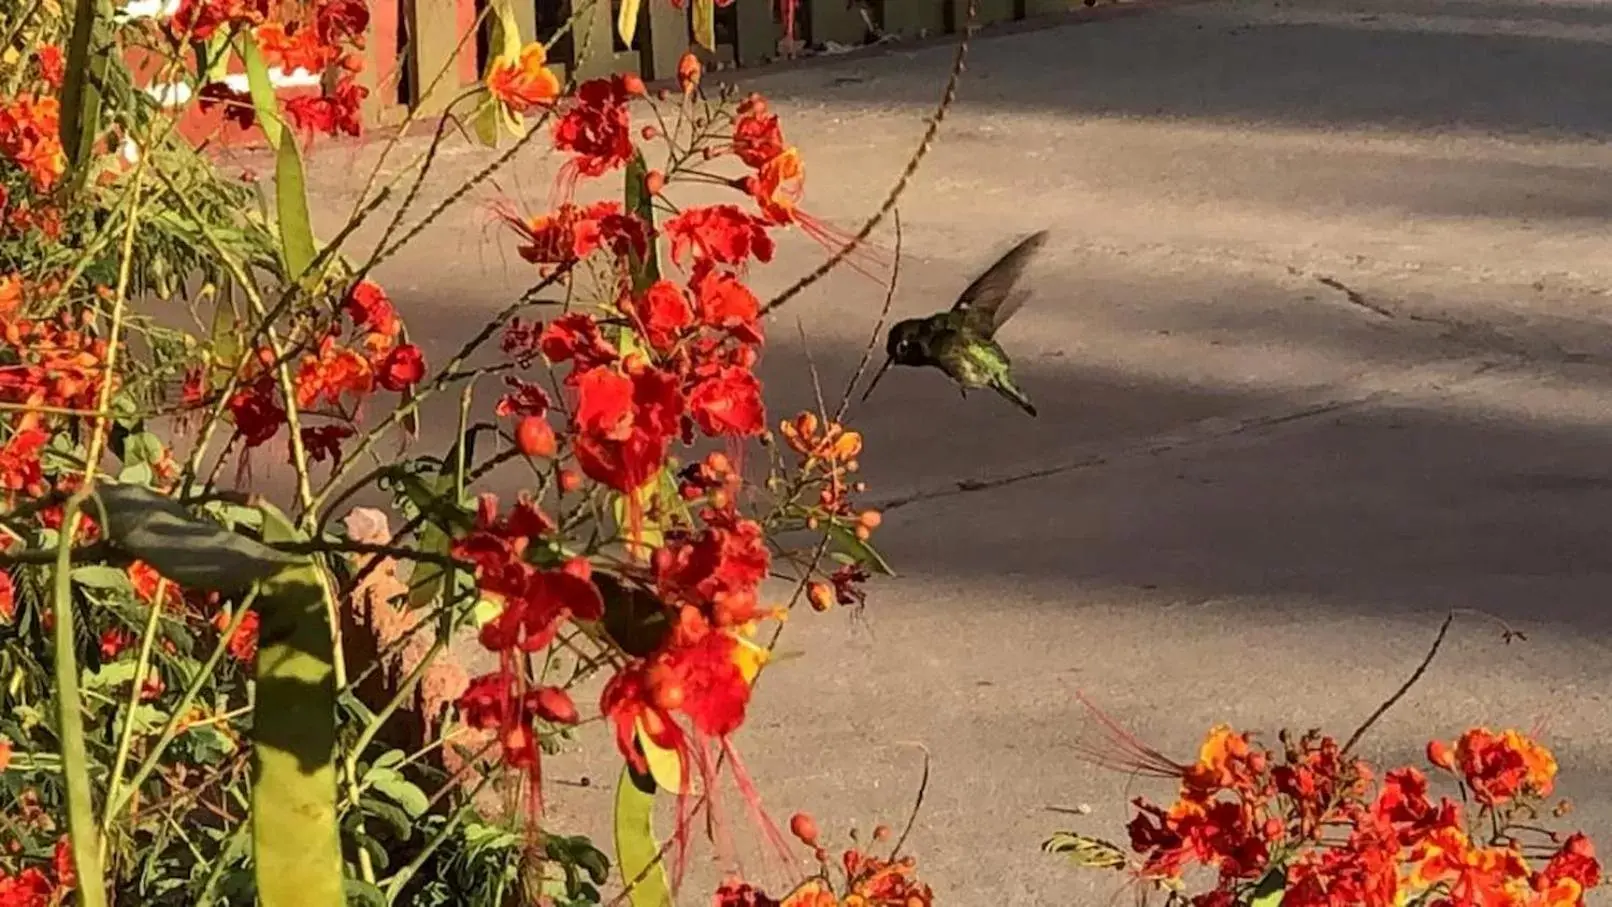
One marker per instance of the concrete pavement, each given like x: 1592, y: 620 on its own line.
x: 1251, y: 495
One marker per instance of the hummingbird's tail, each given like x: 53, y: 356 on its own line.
x: 1008, y: 389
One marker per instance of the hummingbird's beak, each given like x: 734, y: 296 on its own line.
x: 876, y: 376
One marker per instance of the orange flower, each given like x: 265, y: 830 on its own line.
x: 5, y: 753
x: 30, y: 137
x: 688, y: 73
x: 1480, y: 876
x: 778, y: 186
x: 1570, y: 872
x: 523, y: 82
x: 1500, y: 767
x: 336, y: 370
x: 10, y: 295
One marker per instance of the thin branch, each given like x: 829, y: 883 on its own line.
x: 878, y: 326
x: 1404, y: 688
x: 890, y: 200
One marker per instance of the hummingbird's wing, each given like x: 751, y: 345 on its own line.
x: 994, y: 296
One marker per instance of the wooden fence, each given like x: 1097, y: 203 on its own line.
x: 411, y: 42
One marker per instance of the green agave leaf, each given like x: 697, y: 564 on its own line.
x: 291, y: 208
x: 84, y: 73
x: 862, y: 552
x: 290, y: 187
x: 264, y: 103
x: 193, y: 552
x: 705, y: 23
x: 1271, y: 889
x: 627, y: 21
x: 637, y: 851
x: 295, y: 835
x: 638, y: 201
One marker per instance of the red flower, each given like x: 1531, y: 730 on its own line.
x: 8, y: 598
x: 370, y: 309
x: 573, y: 232
x: 756, y: 136
x: 1500, y: 767
x: 728, y: 404
x: 257, y: 412
x: 342, y: 22
x: 29, y: 888
x: 324, y: 442
x: 61, y: 862
x: 717, y: 569
x: 1572, y: 871
x: 720, y: 234
x: 628, y: 703
x: 20, y: 466
x: 714, y: 690
x: 728, y: 305
x: 663, y: 313
x: 778, y: 186
x: 625, y: 424
x: 329, y: 114
x: 484, y: 704
x: 51, y: 64
x: 294, y: 47
x: 597, y: 129
x: 523, y: 82
x: 242, y: 645
x: 1404, y: 803
x: 525, y: 399
x: 535, y: 601
x: 237, y: 105
x: 199, y: 19
x: 113, y: 642
x: 576, y: 337
x: 403, y: 368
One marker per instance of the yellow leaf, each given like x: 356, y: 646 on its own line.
x: 627, y: 21
x: 665, y: 766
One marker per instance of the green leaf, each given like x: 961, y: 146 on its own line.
x: 291, y: 209
x: 296, y: 839
x: 84, y: 74
x: 637, y: 851
x: 435, y: 500
x: 639, y: 202
x: 400, y: 790
x: 363, y: 894
x: 193, y: 552
x: 226, y: 343
x: 627, y: 21
x: 264, y: 103
x: 862, y: 552
x: 705, y: 23
x: 137, y: 474
x: 110, y: 676
x: 1271, y: 888
x: 100, y: 576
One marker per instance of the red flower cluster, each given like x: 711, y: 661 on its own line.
x: 869, y: 880
x: 36, y: 887
x: 1244, y: 809
x: 573, y: 232
x: 334, y: 379
x: 597, y: 129
x: 199, y: 20
x: 30, y: 138
x: 48, y: 363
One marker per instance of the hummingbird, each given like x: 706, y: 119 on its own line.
x: 961, y: 341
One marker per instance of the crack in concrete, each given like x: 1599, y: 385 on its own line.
x: 1199, y: 433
